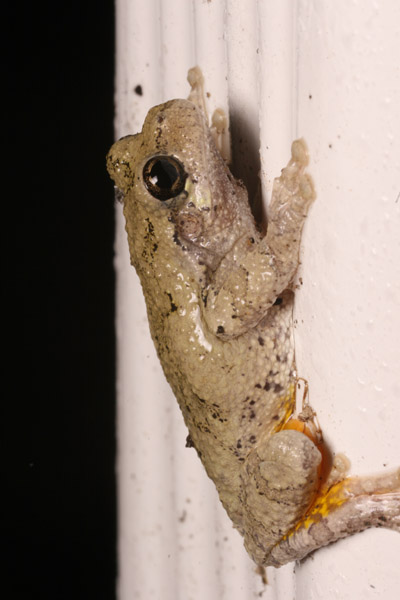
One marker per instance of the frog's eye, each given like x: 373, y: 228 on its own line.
x: 164, y: 177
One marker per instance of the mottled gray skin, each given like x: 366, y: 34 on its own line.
x: 219, y: 304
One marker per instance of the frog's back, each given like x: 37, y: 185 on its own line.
x: 232, y: 393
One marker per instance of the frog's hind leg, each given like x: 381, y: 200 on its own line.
x: 296, y: 500
x: 340, y: 510
x: 280, y: 479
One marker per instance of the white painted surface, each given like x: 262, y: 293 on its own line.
x: 268, y: 58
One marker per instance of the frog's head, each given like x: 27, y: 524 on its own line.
x: 173, y: 169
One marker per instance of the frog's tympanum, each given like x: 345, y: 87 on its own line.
x: 219, y: 297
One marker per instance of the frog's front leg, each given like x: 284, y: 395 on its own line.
x: 257, y: 269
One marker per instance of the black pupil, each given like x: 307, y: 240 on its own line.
x: 164, y: 177
x: 164, y: 174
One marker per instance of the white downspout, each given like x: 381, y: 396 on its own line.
x: 327, y: 71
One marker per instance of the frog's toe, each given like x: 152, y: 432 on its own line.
x: 300, y: 152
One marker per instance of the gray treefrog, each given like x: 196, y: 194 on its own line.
x: 219, y: 296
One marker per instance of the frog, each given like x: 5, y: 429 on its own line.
x: 219, y: 292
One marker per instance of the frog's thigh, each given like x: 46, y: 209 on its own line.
x: 280, y: 480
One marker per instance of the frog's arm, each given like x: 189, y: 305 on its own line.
x: 252, y: 275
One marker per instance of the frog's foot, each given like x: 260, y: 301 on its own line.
x: 347, y: 507
x: 293, y: 192
x: 196, y: 95
x: 219, y: 122
x: 292, y: 195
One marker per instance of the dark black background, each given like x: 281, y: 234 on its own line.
x: 58, y: 423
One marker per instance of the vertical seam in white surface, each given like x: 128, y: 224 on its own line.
x: 295, y: 69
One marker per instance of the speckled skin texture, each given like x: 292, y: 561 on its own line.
x: 219, y: 302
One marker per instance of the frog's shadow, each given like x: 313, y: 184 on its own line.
x: 246, y: 164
